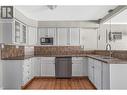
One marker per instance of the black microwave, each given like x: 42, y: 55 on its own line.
x: 46, y: 40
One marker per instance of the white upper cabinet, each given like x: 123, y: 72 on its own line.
x: 14, y: 32
x: 52, y: 33
x: 62, y: 36
x: 32, y: 35
x: 1, y: 32
x: 42, y: 32
x: 74, y: 36
x: 20, y: 32
x: 47, y: 32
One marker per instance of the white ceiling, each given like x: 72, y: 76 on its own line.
x: 119, y: 19
x: 43, y: 13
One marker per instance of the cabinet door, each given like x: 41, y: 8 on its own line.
x: 106, y: 76
x: 62, y: 36
x: 37, y: 67
x: 1, y: 75
x: 91, y: 70
x: 23, y: 33
x: 32, y: 36
x: 43, y: 69
x: 97, y: 74
x: 74, y: 36
x: 17, y: 32
x: 47, y: 66
x: 52, y: 33
x: 76, y: 69
x: 77, y: 66
x: 42, y: 32
x: 50, y: 69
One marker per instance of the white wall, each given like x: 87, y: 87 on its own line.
x: 88, y: 38
x: 116, y: 45
x: 18, y: 15
x: 0, y: 32
x: 86, y: 24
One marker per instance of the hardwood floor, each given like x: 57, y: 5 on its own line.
x: 60, y: 84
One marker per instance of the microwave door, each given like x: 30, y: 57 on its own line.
x: 43, y: 40
x: 47, y: 40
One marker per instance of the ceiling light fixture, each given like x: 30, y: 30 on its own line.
x: 51, y: 7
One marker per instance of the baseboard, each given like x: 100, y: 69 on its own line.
x: 92, y: 84
x: 53, y: 77
x: 56, y: 77
x: 27, y: 84
x: 79, y: 77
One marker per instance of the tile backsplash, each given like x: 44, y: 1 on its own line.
x: 12, y: 51
x: 59, y: 50
x: 120, y: 54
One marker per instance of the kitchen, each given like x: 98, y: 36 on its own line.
x: 41, y: 48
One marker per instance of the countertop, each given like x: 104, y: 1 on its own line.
x: 97, y: 57
x: 109, y: 60
x: 19, y: 57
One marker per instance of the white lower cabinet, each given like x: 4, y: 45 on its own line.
x: 114, y: 76
x: 79, y: 67
x: 91, y: 70
x: 47, y: 66
x: 98, y: 74
x: 17, y: 73
x: 1, y: 76
x: 107, y: 75
x: 95, y: 72
x: 37, y: 66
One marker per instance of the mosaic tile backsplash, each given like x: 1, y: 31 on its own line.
x: 59, y: 50
x: 10, y: 51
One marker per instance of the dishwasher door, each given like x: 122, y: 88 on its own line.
x: 63, y: 67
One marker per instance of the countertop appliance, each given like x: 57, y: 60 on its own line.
x: 46, y: 40
x: 63, y: 67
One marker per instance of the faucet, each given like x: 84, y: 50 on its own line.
x: 110, y: 52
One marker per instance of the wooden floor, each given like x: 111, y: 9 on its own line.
x: 60, y: 84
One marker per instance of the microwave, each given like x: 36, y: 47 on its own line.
x: 46, y: 40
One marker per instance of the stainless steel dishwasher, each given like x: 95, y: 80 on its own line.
x: 63, y: 67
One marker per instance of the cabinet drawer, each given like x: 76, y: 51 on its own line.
x: 48, y: 60
x: 77, y: 60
